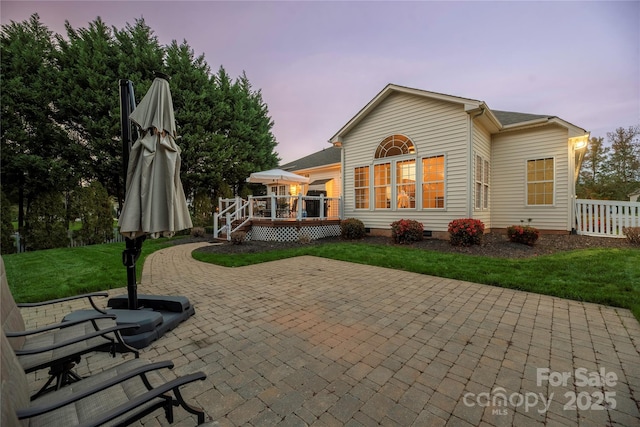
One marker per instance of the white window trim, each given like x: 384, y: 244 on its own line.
x: 526, y: 182
x: 370, y: 187
x: 446, y: 199
x: 484, y: 195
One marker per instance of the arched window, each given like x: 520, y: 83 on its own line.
x: 394, y: 181
x: 395, y: 145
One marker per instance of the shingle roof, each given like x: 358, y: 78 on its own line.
x: 321, y: 158
x: 510, y: 117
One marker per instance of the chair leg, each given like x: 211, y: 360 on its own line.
x: 63, y: 374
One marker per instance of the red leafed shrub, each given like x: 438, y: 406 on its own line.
x: 524, y: 234
x: 406, y: 231
x: 466, y: 232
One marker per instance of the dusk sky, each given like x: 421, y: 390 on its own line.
x: 318, y: 63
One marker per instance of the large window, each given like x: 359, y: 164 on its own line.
x: 482, y: 183
x: 397, y: 180
x: 406, y: 184
x: 361, y: 183
x: 433, y: 182
x: 382, y: 185
x: 540, y: 181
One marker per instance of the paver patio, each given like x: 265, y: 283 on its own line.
x: 313, y: 341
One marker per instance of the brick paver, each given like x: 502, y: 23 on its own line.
x: 313, y: 341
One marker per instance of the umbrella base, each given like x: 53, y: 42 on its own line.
x: 159, y: 315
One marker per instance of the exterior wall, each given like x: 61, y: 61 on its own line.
x: 436, y: 128
x: 510, y: 152
x: 332, y: 172
x: 482, y: 147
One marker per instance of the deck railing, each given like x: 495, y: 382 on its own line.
x: 234, y: 213
x: 606, y: 218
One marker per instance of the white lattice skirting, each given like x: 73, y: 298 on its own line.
x: 293, y: 233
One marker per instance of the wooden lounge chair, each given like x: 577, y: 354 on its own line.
x: 60, y: 346
x: 117, y: 396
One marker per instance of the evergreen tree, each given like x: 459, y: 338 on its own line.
x: 37, y: 156
x: 242, y: 118
x: 192, y: 93
x: 7, y: 241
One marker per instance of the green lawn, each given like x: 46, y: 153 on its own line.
x: 56, y: 273
x: 605, y: 276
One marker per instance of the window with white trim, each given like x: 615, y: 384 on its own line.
x: 361, y: 184
x: 433, y: 182
x: 382, y: 185
x: 481, y: 194
x: 406, y: 184
x: 540, y: 181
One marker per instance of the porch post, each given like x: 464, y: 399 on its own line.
x: 274, y: 206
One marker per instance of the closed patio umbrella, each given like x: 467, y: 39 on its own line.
x: 155, y: 204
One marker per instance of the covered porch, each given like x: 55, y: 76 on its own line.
x: 280, y: 218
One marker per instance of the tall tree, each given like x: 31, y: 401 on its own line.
x: 192, y: 93
x: 624, y: 162
x: 37, y: 156
x: 592, y: 174
x: 242, y: 118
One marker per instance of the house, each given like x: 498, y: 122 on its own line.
x: 431, y: 157
x: 633, y: 197
x: 323, y: 170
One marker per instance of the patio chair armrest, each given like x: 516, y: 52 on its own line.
x: 155, y: 393
x: 101, y: 332
x: 14, y: 334
x: 71, y: 298
x: 115, y: 412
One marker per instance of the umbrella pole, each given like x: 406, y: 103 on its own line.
x: 133, y: 247
x: 129, y: 258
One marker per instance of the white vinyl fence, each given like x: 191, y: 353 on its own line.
x: 606, y: 218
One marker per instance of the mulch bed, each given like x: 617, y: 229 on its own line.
x: 493, y: 245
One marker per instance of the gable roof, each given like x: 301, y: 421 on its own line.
x: 323, y: 157
x: 469, y: 104
x: 494, y: 120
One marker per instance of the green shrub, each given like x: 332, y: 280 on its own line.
x: 46, y: 223
x: 351, y: 229
x: 92, y: 205
x: 197, y: 232
x: 238, y: 237
x: 406, y: 231
x: 524, y: 234
x: 465, y: 232
x: 633, y: 234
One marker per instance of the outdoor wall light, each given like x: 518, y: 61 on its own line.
x: 580, y: 142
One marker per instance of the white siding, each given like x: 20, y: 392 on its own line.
x: 436, y: 128
x: 333, y: 187
x: 510, y: 152
x: 481, y: 147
